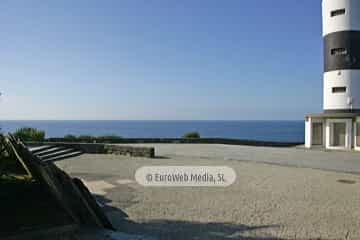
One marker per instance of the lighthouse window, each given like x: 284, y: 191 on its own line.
x: 337, y: 12
x: 338, y: 89
x: 338, y: 51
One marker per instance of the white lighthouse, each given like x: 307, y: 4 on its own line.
x: 338, y: 127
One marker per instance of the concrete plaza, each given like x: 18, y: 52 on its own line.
x: 296, y: 194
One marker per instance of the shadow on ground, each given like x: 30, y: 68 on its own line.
x: 178, y: 230
x: 170, y: 229
x: 161, y: 157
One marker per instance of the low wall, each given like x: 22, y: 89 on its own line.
x: 148, y: 152
x: 185, y: 140
x: 101, y: 148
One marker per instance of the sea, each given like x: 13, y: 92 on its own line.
x: 284, y: 131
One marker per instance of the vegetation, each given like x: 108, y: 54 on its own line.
x: 30, y: 134
x: 191, y: 135
x: 110, y: 137
x: 86, y: 138
x: 9, y: 165
x: 26, y: 204
x: 70, y: 137
x: 89, y: 138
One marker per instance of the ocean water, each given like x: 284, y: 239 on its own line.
x: 252, y: 130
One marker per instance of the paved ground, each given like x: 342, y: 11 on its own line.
x: 266, y: 201
x: 315, y: 158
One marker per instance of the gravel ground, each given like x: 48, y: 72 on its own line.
x: 266, y: 201
x: 342, y: 161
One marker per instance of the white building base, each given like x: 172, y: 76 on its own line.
x: 338, y: 131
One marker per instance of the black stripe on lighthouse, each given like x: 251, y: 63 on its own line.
x: 342, y: 51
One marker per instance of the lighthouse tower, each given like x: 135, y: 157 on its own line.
x: 341, y: 32
x: 337, y: 127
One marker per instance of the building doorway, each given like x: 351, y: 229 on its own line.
x: 357, y: 135
x: 338, y: 134
x: 317, y: 133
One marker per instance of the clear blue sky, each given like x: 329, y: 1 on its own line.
x: 172, y: 59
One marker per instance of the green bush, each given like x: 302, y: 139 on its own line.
x: 70, y: 137
x: 191, y: 135
x: 86, y: 138
x: 89, y: 138
x: 30, y: 134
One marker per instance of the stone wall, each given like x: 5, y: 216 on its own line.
x: 148, y: 152
x: 187, y: 140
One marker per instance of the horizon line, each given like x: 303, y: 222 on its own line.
x: 167, y: 120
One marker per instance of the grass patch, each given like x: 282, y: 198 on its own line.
x: 30, y: 134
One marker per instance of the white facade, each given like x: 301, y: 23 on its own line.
x: 348, y: 21
x: 308, y: 133
x: 329, y: 137
x: 350, y: 98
